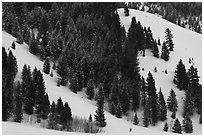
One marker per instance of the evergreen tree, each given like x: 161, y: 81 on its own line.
x: 12, y: 64
x: 165, y: 52
x: 173, y: 115
x: 146, y: 116
x: 159, y: 43
x: 112, y: 108
x: 33, y: 47
x: 66, y: 115
x: 165, y: 127
x: 46, y: 66
x: 118, y: 112
x: 143, y: 92
x: 187, y: 124
x: 52, y: 121
x: 125, y: 102
x: 5, y: 110
x: 136, y: 121
x: 172, y: 102
x: 162, y: 106
x: 100, y: 116
x: 188, y: 107
x: 51, y: 74
x: 74, y: 83
x: 177, y: 126
x: 59, y: 106
x: 90, y: 118
x: 45, y: 107
x: 126, y: 10
x: 151, y: 91
x: 169, y: 41
x: 155, y: 50
x: 200, y: 119
x: 180, y: 78
x: 90, y: 89
x: 13, y: 45
x: 18, y: 113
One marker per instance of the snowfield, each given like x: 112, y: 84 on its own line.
x: 187, y: 44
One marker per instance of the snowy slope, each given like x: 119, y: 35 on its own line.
x: 12, y: 128
x: 187, y: 45
x: 82, y: 107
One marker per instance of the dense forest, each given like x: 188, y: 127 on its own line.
x: 89, y: 49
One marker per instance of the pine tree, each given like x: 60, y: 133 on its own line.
x: 200, y: 119
x: 74, y: 83
x: 112, y: 108
x: 188, y: 107
x: 187, y: 124
x: 165, y: 127
x: 33, y: 48
x: 90, y: 89
x: 155, y: 50
x: 177, y: 127
x: 12, y: 64
x: 52, y: 121
x: 124, y: 101
x: 5, y: 110
x: 169, y: 41
x: 159, y: 43
x: 143, y: 92
x: 46, y: 66
x: 13, y: 45
x: 173, y: 115
x: 118, y: 112
x: 180, y: 78
x: 100, y: 116
x: 90, y: 118
x: 165, y: 52
x: 136, y: 121
x: 59, y: 106
x: 18, y: 112
x: 126, y: 10
x: 151, y: 91
x: 51, y: 74
x: 45, y: 107
x: 66, y: 115
x: 146, y: 116
x: 172, y: 102
x: 162, y: 106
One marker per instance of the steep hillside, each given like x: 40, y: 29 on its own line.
x: 184, y: 41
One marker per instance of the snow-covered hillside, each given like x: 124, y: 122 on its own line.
x: 184, y: 41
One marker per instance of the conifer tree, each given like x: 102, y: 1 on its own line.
x: 126, y: 10
x: 187, y: 124
x: 18, y: 112
x: 200, y: 119
x: 136, y: 121
x: 159, y: 43
x: 125, y: 102
x: 151, y: 91
x: 33, y: 48
x: 188, y: 107
x: 165, y: 127
x: 46, y: 66
x: 155, y: 50
x: 59, y: 106
x: 51, y: 74
x: 45, y: 107
x: 180, y: 78
x: 12, y: 64
x: 100, y: 116
x: 162, y: 106
x: 172, y: 102
x: 13, y: 45
x: 173, y: 115
x: 52, y: 121
x: 90, y: 89
x: 5, y: 111
x: 169, y: 41
x: 74, y: 83
x: 165, y: 52
x: 112, y: 108
x: 118, y: 112
x: 66, y: 115
x: 177, y: 127
x: 90, y: 118
x: 146, y: 116
x: 143, y: 92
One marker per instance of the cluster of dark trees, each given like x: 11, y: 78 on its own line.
x: 189, y: 82
x: 180, y: 13
x: 89, y: 48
